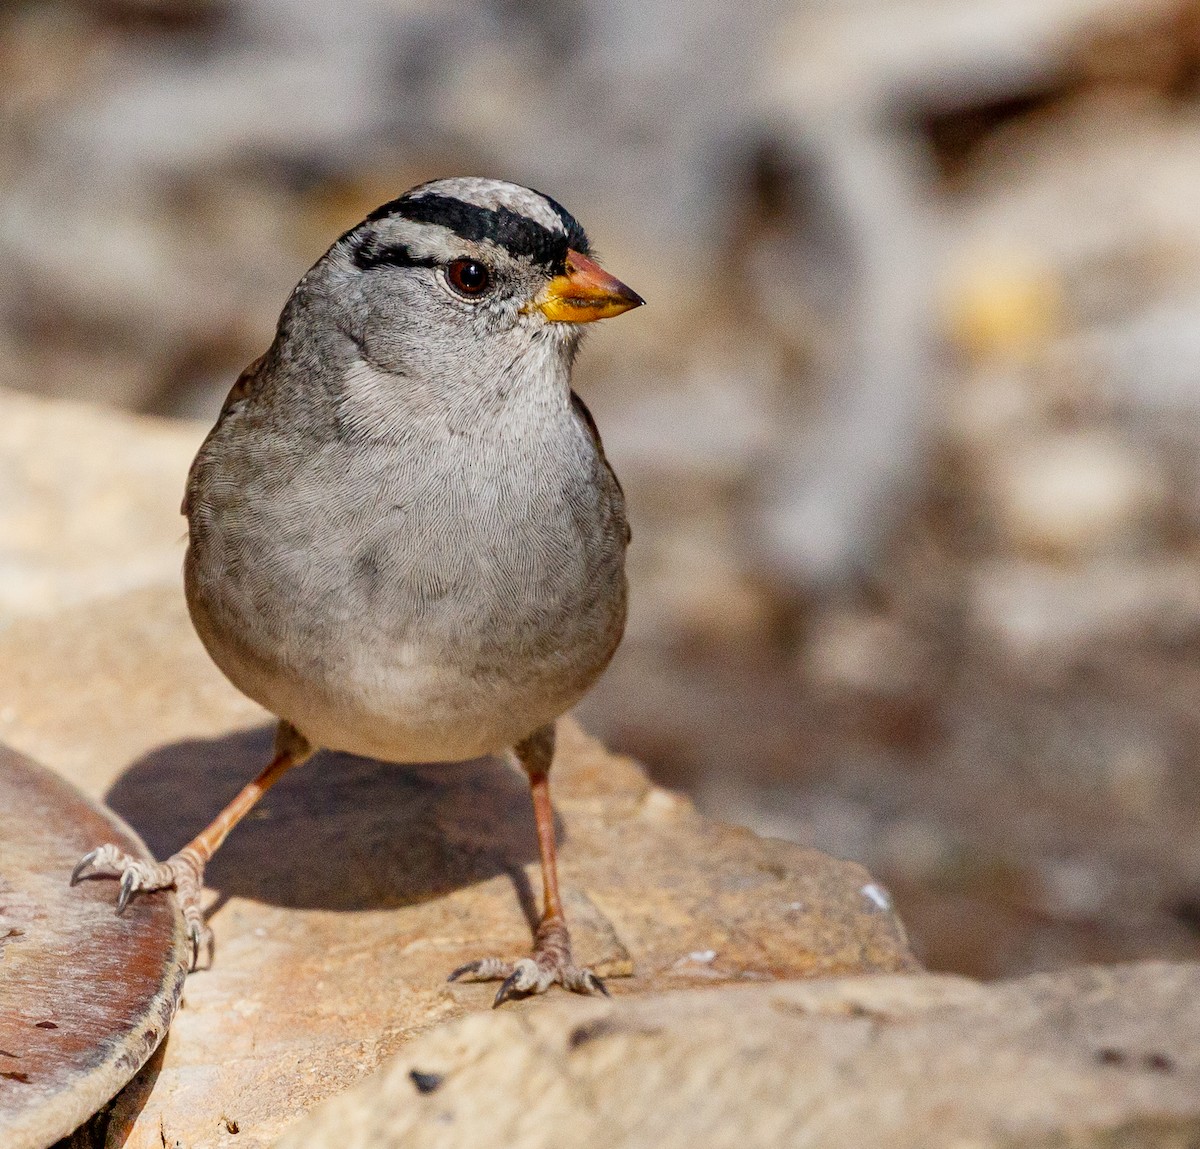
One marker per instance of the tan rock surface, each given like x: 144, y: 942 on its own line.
x: 351, y: 892
x: 1103, y: 1058
x: 89, y: 502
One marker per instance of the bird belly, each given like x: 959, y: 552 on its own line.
x: 405, y: 705
x: 389, y: 665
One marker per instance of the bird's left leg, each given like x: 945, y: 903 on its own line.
x: 184, y: 871
x: 551, y: 960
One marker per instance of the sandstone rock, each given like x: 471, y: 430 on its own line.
x: 1093, y: 1057
x: 350, y: 893
x: 89, y: 502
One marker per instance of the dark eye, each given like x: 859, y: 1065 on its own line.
x: 469, y: 276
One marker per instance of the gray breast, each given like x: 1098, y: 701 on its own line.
x: 480, y: 552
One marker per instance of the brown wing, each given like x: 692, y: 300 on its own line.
x: 580, y: 408
x: 242, y: 389
x: 244, y: 386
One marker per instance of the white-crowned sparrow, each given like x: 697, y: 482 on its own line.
x: 405, y: 540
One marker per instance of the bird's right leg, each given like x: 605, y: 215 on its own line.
x: 551, y: 960
x: 184, y: 871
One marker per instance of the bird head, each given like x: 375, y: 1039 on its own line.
x: 465, y: 277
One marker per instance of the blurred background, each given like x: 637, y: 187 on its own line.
x: 910, y: 429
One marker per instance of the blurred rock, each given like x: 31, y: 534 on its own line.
x: 691, y: 596
x: 1070, y: 496
x: 695, y: 585
x: 995, y: 405
x: 89, y: 503
x: 1004, y: 306
x: 1141, y: 364
x: 1048, y: 618
x: 1139, y: 778
x: 1076, y: 887
x: 1090, y: 205
x: 857, y: 651
x: 920, y: 850
x: 1092, y: 1058
x: 878, y: 56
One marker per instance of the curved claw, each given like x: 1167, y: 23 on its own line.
x: 128, y: 885
x: 82, y: 865
x: 463, y: 970
x: 548, y: 966
x: 195, y: 934
x: 507, y: 988
x: 485, y: 969
x: 183, y: 871
x: 594, y: 985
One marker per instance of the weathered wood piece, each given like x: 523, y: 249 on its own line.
x: 85, y: 996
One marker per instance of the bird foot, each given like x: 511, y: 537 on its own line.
x: 184, y: 872
x: 550, y: 963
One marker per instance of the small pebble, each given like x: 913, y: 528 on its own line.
x: 425, y: 1082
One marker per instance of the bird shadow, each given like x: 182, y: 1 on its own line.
x: 339, y: 832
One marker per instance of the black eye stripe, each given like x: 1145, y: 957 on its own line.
x: 367, y: 255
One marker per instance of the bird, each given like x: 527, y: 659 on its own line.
x: 405, y: 539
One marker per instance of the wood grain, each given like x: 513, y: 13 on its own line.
x: 85, y: 996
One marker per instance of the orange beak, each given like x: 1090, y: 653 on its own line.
x: 586, y: 292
